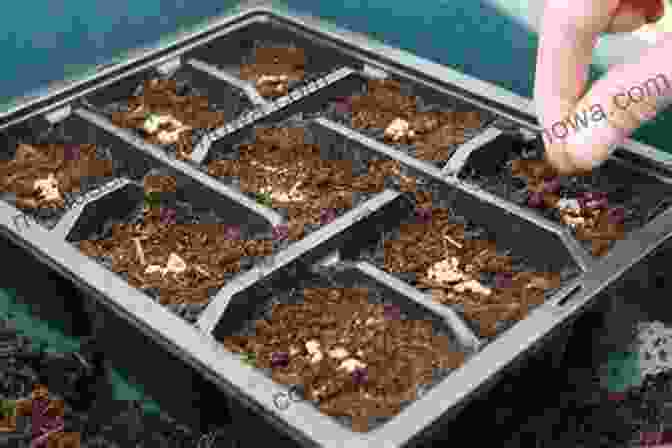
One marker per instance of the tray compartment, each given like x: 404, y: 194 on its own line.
x: 190, y: 202
x: 230, y: 52
x: 510, y: 234
x: 256, y: 302
x: 343, y: 158
x: 327, y: 103
x: 101, y: 161
x: 225, y: 103
x: 640, y: 194
x: 441, y: 122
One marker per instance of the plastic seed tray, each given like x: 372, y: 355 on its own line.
x: 445, y: 177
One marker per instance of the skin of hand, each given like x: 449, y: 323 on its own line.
x: 569, y: 32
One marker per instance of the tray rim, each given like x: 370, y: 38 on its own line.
x: 201, y: 351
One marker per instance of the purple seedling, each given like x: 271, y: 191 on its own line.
x: 391, y: 312
x: 280, y: 232
x: 424, y: 215
x: 71, y: 152
x: 279, y: 360
x: 168, y: 216
x: 600, y: 203
x: 327, y: 216
x: 504, y: 280
x: 616, y: 215
x: 592, y: 199
x: 552, y: 186
x: 535, y: 200
x: 232, y: 233
x: 360, y: 375
x: 343, y: 105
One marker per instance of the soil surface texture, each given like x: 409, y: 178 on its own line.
x: 274, y: 70
x: 353, y: 356
x: 161, y: 251
x: 441, y: 252
x: 599, y: 207
x: 400, y: 119
x: 283, y: 170
x: 45, y: 178
x: 173, y: 114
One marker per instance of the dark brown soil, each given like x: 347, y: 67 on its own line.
x: 609, y: 202
x: 160, y: 98
x: 433, y: 135
x: 352, y: 357
x: 593, y: 222
x: 438, y: 251
x: 184, y: 263
x: 274, y: 69
x: 40, y: 175
x: 313, y: 190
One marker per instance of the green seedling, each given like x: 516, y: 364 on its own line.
x: 250, y: 358
x: 7, y: 408
x: 152, y: 123
x: 152, y: 199
x: 264, y: 199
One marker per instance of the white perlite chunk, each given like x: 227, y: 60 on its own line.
x: 339, y: 353
x: 154, y: 122
x: 655, y: 348
x: 293, y: 195
x: 175, y: 264
x: 270, y: 79
x: 48, y: 187
x: 351, y: 365
x: 473, y: 286
x: 569, y: 205
x: 397, y: 129
x: 313, y: 348
x: 446, y: 271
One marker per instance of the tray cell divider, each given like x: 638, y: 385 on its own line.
x: 248, y: 88
x: 583, y: 259
x: 202, y: 149
x: 465, y: 335
x: 70, y: 218
x: 459, y: 158
x: 159, y: 154
x: 381, y: 148
x: 299, y: 250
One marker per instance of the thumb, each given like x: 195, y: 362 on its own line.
x: 618, y: 104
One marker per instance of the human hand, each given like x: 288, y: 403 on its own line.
x: 581, y: 128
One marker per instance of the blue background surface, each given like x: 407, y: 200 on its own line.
x: 46, y: 40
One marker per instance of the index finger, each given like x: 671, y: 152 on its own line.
x: 563, y: 59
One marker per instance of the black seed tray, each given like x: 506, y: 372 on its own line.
x: 349, y: 241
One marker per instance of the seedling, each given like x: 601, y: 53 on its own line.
x: 71, y: 152
x: 327, y: 216
x: 250, y: 358
x: 152, y: 122
x: 264, y: 198
x: 280, y: 359
x: 168, y: 216
x: 7, y: 408
x: 232, y: 233
x: 152, y: 199
x: 360, y: 375
x: 280, y: 232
